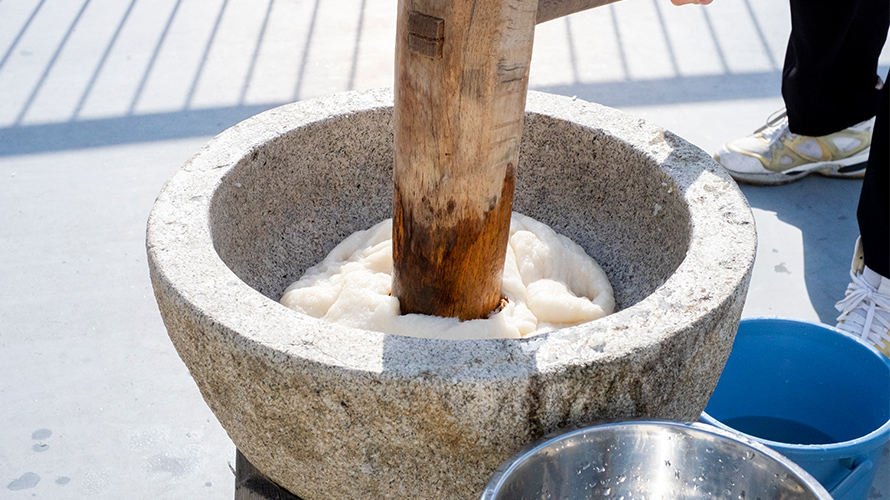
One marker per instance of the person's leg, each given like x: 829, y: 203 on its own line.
x: 873, y: 212
x: 829, y: 87
x: 828, y: 80
x: 865, y: 309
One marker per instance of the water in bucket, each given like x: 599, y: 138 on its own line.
x: 778, y: 429
x: 816, y: 395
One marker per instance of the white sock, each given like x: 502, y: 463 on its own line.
x: 876, y: 281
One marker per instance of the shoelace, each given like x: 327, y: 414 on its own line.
x: 861, y: 295
x: 774, y: 119
x: 776, y: 126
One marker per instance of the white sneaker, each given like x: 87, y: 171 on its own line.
x: 865, y: 310
x: 774, y: 155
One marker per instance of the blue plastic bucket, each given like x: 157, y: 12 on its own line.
x: 815, y: 394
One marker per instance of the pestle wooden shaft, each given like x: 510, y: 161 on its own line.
x: 460, y: 88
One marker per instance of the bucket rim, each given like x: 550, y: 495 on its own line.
x: 878, y: 437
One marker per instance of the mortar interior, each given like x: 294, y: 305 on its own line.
x: 289, y: 201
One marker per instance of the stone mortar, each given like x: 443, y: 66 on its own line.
x: 329, y: 411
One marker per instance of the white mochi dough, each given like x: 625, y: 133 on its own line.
x: 549, y: 282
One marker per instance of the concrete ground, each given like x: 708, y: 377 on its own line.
x: 102, y: 100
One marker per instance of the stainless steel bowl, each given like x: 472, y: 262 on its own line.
x: 651, y: 460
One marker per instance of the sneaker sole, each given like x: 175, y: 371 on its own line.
x: 848, y: 168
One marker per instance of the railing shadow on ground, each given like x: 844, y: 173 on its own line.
x: 132, y: 126
x: 140, y: 128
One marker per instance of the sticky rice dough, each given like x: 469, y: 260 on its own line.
x: 549, y: 282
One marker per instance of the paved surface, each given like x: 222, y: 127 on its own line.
x: 102, y: 100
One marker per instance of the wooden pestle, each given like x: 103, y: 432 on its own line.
x: 461, y: 80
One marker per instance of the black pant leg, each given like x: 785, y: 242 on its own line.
x: 829, y: 76
x: 873, y: 212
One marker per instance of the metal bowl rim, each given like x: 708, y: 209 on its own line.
x: 503, y: 472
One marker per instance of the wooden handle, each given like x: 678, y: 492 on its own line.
x: 460, y: 87
x: 551, y: 9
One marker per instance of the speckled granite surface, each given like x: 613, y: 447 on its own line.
x: 335, y: 412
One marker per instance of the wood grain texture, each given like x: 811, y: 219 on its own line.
x: 460, y: 87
